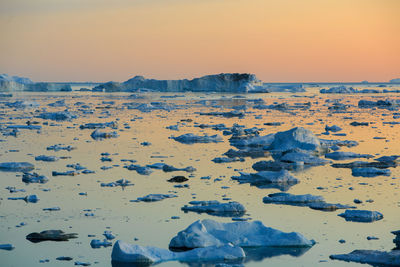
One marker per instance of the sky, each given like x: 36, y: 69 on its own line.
x: 278, y: 40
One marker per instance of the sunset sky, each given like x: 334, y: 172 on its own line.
x: 278, y: 40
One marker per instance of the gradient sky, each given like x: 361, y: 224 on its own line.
x: 278, y: 40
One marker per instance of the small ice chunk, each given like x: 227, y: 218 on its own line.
x: 373, y: 257
x: 109, y: 235
x: 262, y: 177
x: 370, y: 172
x: 231, y: 209
x: 338, y: 155
x: 154, y: 197
x: 34, y: 178
x: 46, y: 158
x: 96, y: 243
x: 6, y: 246
x: 16, y: 166
x: 361, y: 215
x: 29, y: 199
x: 190, y: 138
x: 170, y: 168
x: 99, y: 134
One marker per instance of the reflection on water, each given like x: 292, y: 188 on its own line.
x: 252, y: 255
x: 259, y: 254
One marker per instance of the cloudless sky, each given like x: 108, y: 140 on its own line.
x: 278, y: 40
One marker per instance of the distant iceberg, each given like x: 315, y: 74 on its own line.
x: 16, y: 83
x: 6, y: 78
x: 224, y: 82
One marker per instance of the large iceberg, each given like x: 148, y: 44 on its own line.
x: 224, y: 82
x: 206, y: 233
x: 10, y: 83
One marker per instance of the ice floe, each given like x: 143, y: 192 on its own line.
x: 207, y: 233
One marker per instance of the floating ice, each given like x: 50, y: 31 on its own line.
x: 29, y: 199
x: 298, y: 137
x: 373, y: 257
x: 98, y: 134
x: 154, y: 197
x: 50, y: 235
x: 46, y: 158
x: 286, y: 198
x: 314, y: 202
x: 338, y: 155
x: 139, y: 169
x: 230, y: 209
x: 58, y: 116
x: 266, y: 177
x: 99, y: 125
x: 190, y: 138
x: 6, y: 246
x: 121, y: 182
x: 369, y: 172
x: 207, y: 233
x: 59, y: 147
x: 361, y: 215
x: 16, y: 166
x: 96, y: 243
x: 34, y: 178
x: 169, y: 168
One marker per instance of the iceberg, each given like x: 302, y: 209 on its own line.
x: 296, y: 138
x: 206, y: 233
x: 224, y: 82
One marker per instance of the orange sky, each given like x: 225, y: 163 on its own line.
x: 278, y: 40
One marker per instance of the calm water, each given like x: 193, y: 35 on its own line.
x: 151, y: 223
